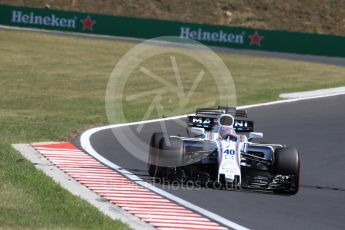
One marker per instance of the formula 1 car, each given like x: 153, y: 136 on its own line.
x: 219, y: 149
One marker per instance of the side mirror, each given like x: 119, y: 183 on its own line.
x: 253, y: 135
x: 198, y: 131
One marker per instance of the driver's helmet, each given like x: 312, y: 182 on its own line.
x: 226, y: 132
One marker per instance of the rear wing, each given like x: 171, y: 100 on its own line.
x: 222, y: 110
x: 208, y: 122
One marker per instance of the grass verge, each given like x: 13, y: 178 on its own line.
x: 51, y: 85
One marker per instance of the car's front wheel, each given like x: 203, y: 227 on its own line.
x: 287, y: 163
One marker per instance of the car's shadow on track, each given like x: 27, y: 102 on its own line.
x: 323, y: 187
x: 147, y: 178
x: 174, y: 185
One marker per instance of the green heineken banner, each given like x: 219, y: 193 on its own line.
x: 223, y: 36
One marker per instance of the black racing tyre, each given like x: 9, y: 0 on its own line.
x: 287, y: 162
x: 165, y: 153
x: 153, y: 169
x: 171, y: 152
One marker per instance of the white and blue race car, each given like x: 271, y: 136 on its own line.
x: 219, y: 150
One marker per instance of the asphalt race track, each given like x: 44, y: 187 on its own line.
x: 315, y: 127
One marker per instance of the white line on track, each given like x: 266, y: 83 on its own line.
x: 313, y: 93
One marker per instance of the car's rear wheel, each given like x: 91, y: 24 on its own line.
x: 287, y: 163
x: 153, y: 168
x: 165, y: 155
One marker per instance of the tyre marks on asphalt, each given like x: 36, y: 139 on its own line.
x: 150, y: 207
